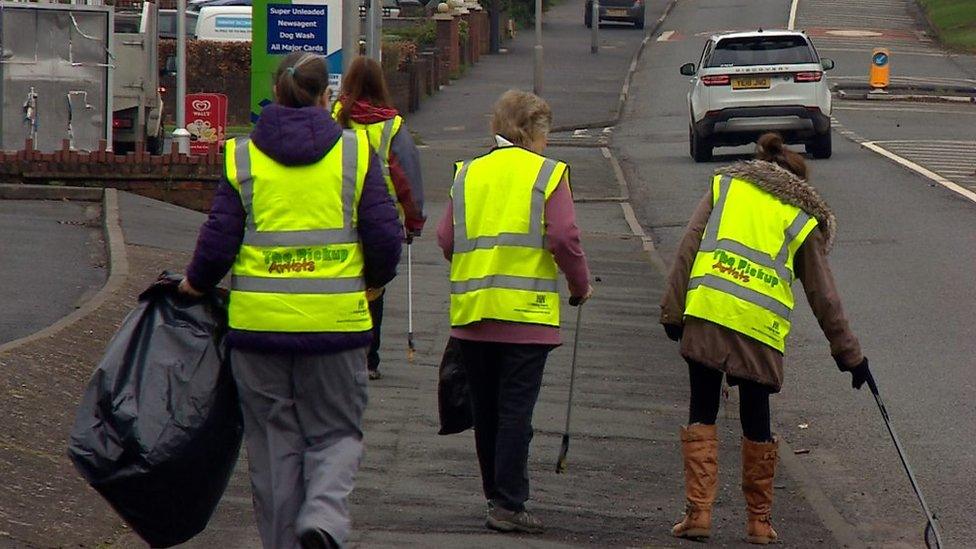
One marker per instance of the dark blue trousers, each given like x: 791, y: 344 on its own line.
x: 504, y: 379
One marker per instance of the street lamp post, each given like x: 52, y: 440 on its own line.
x: 181, y: 136
x: 350, y: 33
x: 537, y: 79
x: 595, y: 26
x: 374, y: 30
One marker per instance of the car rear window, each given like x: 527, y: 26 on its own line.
x: 761, y: 50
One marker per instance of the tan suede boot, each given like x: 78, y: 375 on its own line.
x: 758, y: 470
x: 699, y: 445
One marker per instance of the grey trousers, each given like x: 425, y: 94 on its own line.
x: 303, y: 419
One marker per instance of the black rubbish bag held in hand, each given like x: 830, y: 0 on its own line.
x: 453, y: 398
x: 159, y: 427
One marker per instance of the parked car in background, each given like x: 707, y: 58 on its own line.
x: 750, y: 83
x: 624, y: 11
x: 167, y: 24
x: 224, y: 23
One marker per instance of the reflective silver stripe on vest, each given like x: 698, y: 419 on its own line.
x: 385, y: 136
x: 242, y: 158
x: 710, y: 241
x: 504, y: 282
x: 350, y: 169
x: 297, y: 285
x: 534, y: 238
x: 741, y: 292
x: 346, y: 235
x: 791, y: 233
x: 301, y: 238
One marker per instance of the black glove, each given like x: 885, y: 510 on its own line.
x: 860, y: 374
x: 410, y: 235
x: 674, y: 331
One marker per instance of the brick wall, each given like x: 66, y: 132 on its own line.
x: 187, y: 181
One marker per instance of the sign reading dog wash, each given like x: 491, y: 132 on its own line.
x: 206, y: 120
x: 279, y: 28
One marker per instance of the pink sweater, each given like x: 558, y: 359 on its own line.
x: 563, y: 241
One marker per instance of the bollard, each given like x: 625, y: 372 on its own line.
x: 880, y: 68
x: 182, y: 139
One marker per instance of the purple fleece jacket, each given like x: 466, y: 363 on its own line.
x: 296, y: 137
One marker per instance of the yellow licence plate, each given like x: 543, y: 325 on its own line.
x: 750, y: 83
x: 617, y: 13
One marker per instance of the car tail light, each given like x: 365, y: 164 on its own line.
x: 121, y: 123
x: 716, y: 80
x: 162, y: 89
x: 813, y: 76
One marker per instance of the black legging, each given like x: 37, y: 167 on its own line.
x: 706, y: 395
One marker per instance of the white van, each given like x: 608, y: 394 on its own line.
x: 224, y: 23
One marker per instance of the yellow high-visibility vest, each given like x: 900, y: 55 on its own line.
x: 300, y: 267
x: 501, y: 268
x: 380, y: 136
x: 743, y: 273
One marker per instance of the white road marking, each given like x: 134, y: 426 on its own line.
x: 906, y: 108
x: 921, y: 170
x: 665, y: 36
x: 793, y: 8
x: 895, y: 51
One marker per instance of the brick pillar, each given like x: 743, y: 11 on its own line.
x: 448, y: 42
x: 475, y: 36
x: 485, y: 33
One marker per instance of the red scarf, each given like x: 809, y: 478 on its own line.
x: 363, y: 112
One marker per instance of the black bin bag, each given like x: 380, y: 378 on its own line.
x: 159, y: 427
x: 453, y: 396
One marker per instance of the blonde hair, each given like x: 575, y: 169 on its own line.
x: 521, y: 117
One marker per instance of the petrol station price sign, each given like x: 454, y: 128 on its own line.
x: 298, y: 27
x: 282, y: 27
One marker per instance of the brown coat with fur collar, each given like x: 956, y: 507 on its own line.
x: 738, y: 355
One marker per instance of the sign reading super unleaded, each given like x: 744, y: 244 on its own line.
x: 282, y: 27
x: 297, y: 27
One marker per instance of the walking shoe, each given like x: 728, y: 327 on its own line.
x: 375, y: 374
x: 317, y: 539
x: 504, y: 520
x: 758, y: 471
x: 699, y: 446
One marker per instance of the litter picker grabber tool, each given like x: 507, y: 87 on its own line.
x: 930, y: 525
x: 561, y: 464
x: 410, y: 346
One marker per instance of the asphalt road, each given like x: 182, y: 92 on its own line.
x: 903, y: 261
x: 53, y: 259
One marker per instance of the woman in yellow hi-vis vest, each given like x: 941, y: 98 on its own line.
x: 729, y: 301
x: 303, y: 221
x: 508, y: 227
x: 365, y: 104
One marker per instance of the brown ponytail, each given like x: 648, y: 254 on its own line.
x: 301, y: 79
x: 771, y: 148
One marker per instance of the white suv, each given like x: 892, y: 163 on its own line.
x: 749, y: 83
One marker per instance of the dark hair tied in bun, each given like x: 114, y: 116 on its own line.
x: 771, y: 148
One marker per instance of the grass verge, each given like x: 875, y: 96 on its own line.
x: 954, y: 21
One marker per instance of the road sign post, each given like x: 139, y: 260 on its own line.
x: 880, y: 75
x: 281, y: 27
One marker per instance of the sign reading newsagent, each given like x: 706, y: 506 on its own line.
x: 298, y: 28
x: 280, y: 28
